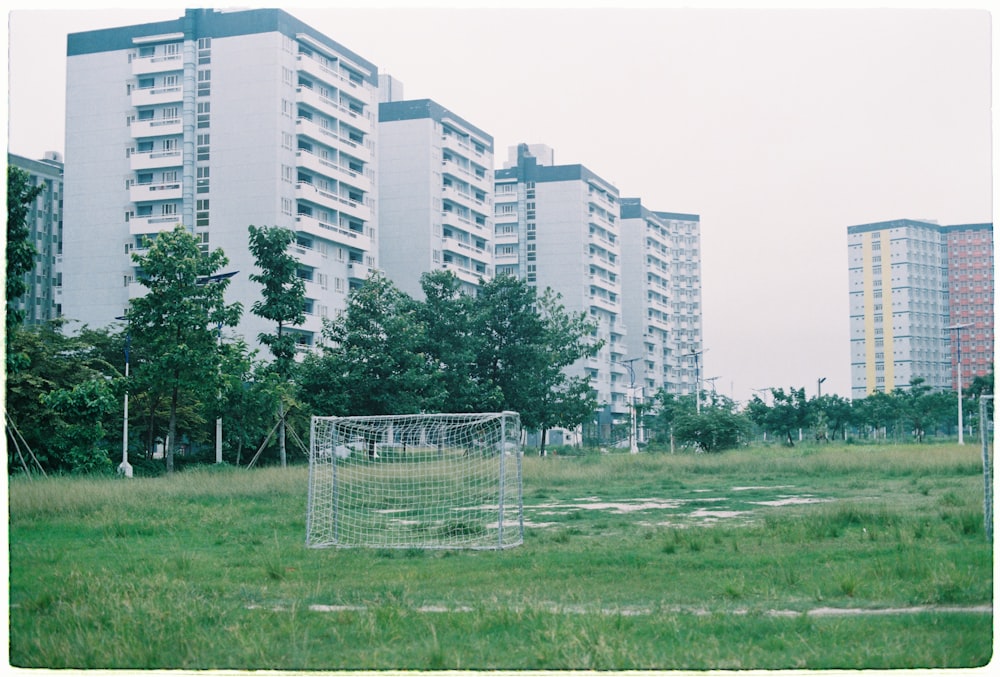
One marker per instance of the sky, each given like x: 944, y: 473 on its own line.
x: 778, y: 127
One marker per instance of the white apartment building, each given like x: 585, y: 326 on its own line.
x: 898, y: 276
x: 218, y: 120
x: 435, y: 176
x: 557, y: 226
x: 661, y: 292
x: 42, y: 301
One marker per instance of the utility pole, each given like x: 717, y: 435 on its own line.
x: 697, y: 380
x: 633, y: 443
x: 957, y: 328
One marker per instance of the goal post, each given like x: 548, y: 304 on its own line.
x: 415, y: 481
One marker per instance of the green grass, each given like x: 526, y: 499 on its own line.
x: 694, y: 562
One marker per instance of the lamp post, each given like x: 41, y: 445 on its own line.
x: 218, y: 421
x: 633, y: 444
x: 819, y: 386
x: 957, y: 328
x: 124, y: 468
x: 697, y: 380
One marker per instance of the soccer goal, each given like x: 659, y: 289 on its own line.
x: 415, y: 481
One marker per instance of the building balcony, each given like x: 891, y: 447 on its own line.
x: 157, y: 159
x: 310, y: 193
x: 162, y: 63
x: 465, y: 249
x: 142, y: 129
x: 459, y: 144
x: 328, y: 231
x: 146, y: 192
x: 505, y: 238
x: 605, y: 303
x: 506, y: 259
x: 356, y: 270
x: 605, y: 283
x: 361, y: 120
x: 306, y: 255
x: 147, y: 225
x: 331, y: 169
x: 308, y: 128
x: 464, y: 273
x: 312, y: 67
x: 153, y: 96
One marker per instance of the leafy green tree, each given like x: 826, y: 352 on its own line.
x: 375, y: 357
x: 788, y: 413
x: 530, y: 341
x: 878, y: 411
x: 76, y: 428
x: 981, y: 385
x: 49, y: 361
x: 921, y: 407
x: 282, y: 302
x: 836, y: 412
x: 283, y: 291
x: 667, y: 408
x: 716, y: 427
x: 176, y: 321
x: 454, y: 342
x: 20, y: 251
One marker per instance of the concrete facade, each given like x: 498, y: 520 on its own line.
x: 435, y: 195
x: 218, y: 121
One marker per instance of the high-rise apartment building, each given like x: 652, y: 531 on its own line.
x: 217, y: 121
x: 902, y: 276
x: 435, y: 176
x: 971, y: 288
x: 661, y: 297
x: 42, y: 299
x: 557, y: 227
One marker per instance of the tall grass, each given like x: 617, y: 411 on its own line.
x: 207, y: 569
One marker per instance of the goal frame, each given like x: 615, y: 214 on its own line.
x: 457, y: 478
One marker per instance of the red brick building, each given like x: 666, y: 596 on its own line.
x: 970, y: 298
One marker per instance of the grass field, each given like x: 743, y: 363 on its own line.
x: 817, y: 557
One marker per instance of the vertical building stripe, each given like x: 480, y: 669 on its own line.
x: 869, y: 296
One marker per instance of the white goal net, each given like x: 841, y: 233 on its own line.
x: 415, y: 481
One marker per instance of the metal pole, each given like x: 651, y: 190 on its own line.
x: 218, y: 421
x: 503, y: 480
x: 987, y: 471
x: 957, y: 328
x: 633, y: 441
x: 125, y: 468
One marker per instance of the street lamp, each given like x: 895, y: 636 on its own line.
x: 697, y: 380
x: 124, y: 468
x: 633, y: 444
x: 819, y: 386
x: 957, y: 328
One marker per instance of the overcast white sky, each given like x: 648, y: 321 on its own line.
x: 779, y: 127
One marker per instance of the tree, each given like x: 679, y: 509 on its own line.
x: 454, y: 342
x: 669, y: 407
x: 879, y: 410
x: 837, y: 413
x: 718, y: 426
x: 789, y: 412
x: 49, y: 362
x: 175, y: 321
x: 375, y: 361
x: 76, y: 428
x: 922, y: 408
x: 530, y: 341
x: 20, y: 251
x: 282, y: 302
